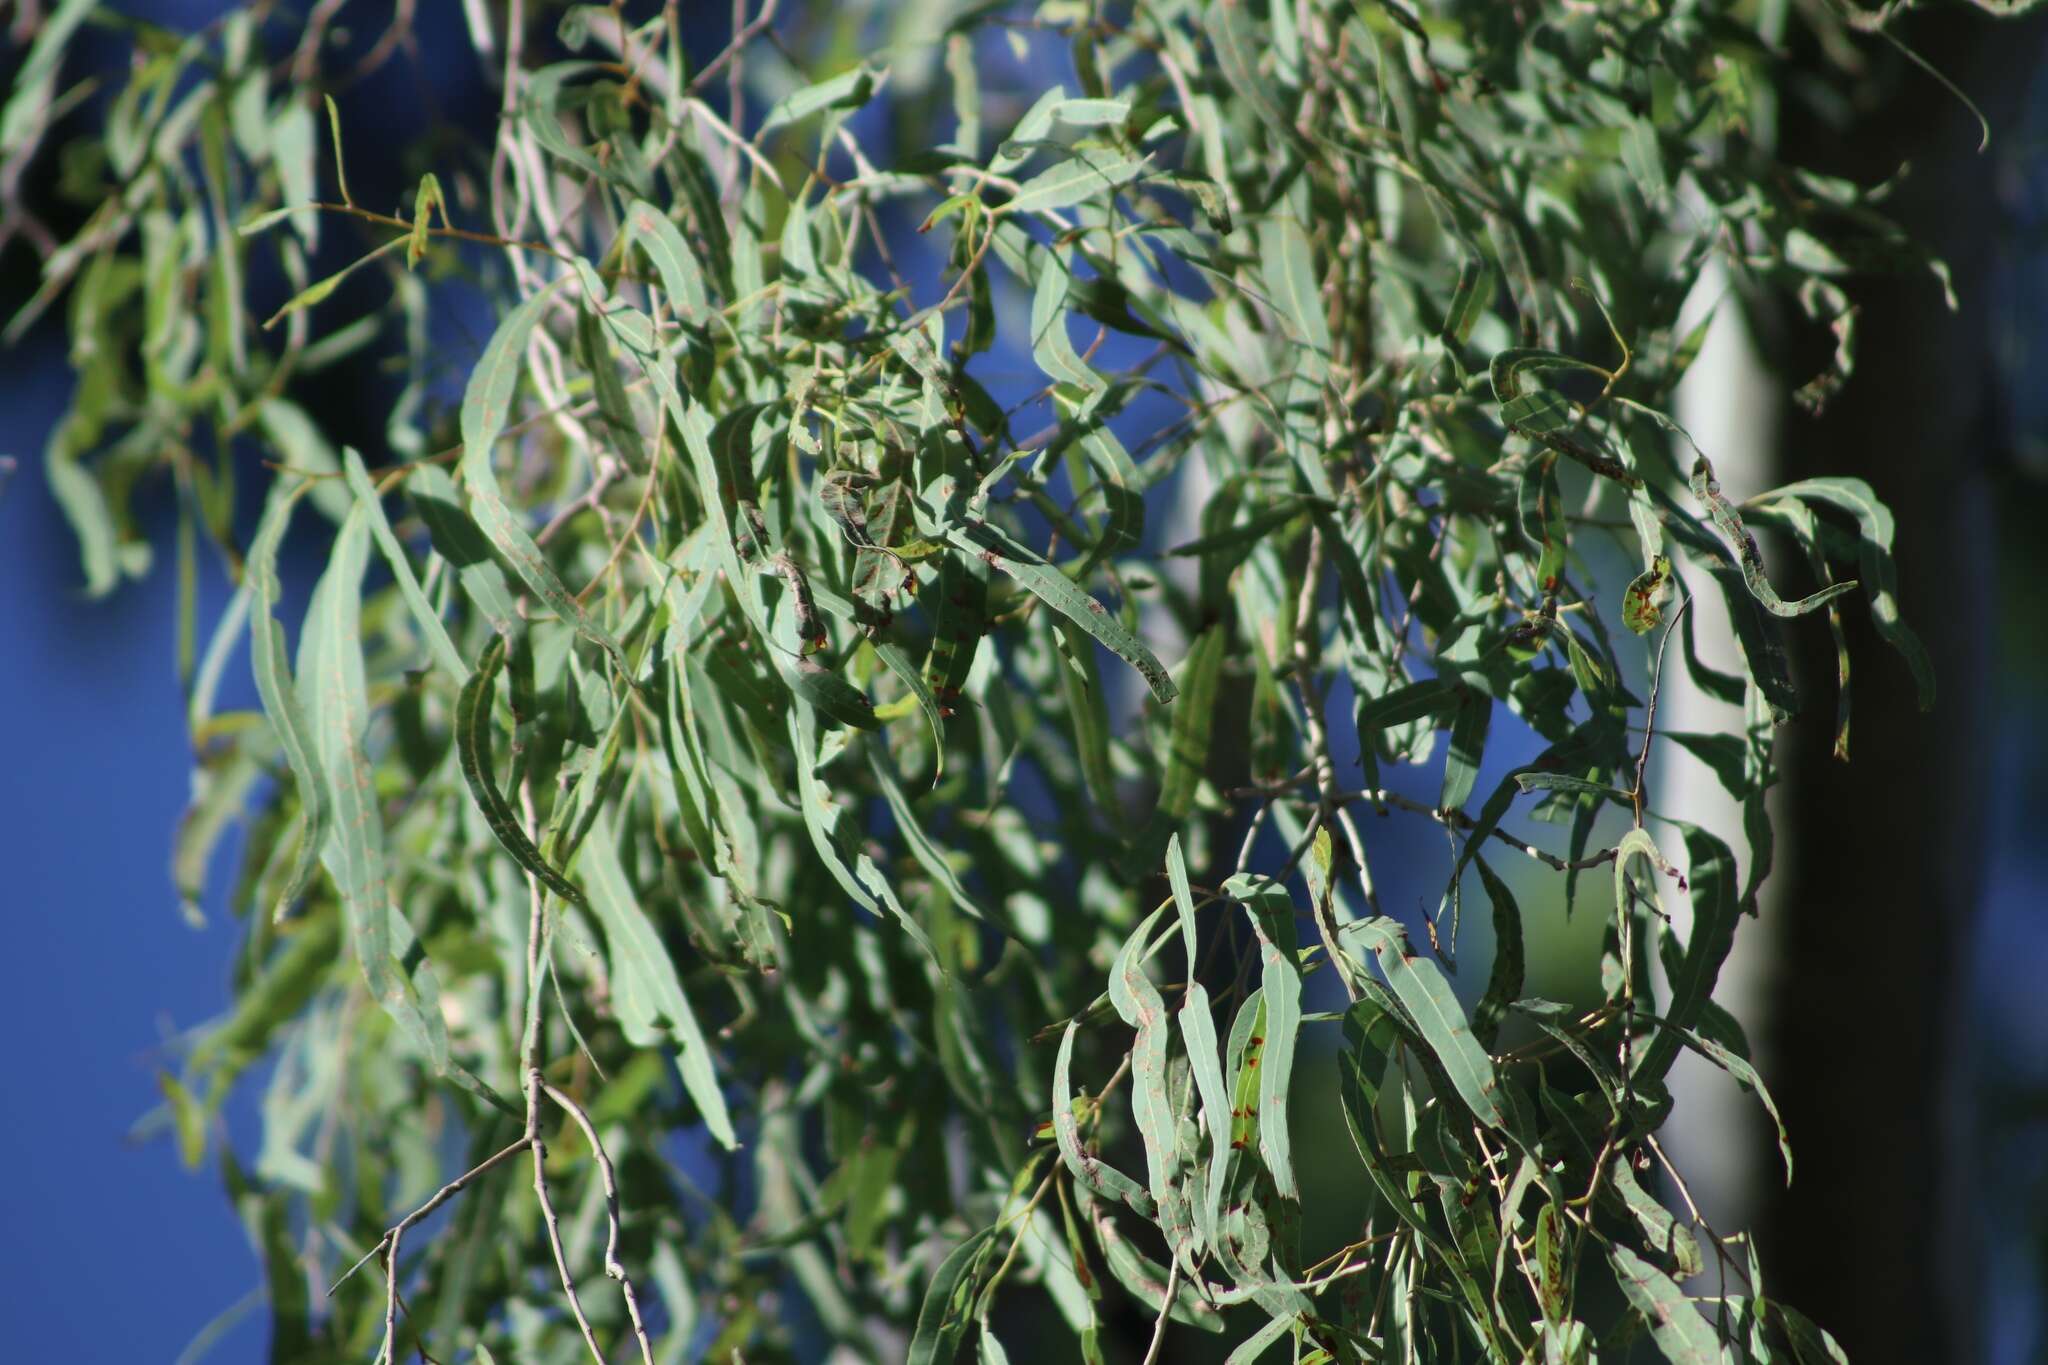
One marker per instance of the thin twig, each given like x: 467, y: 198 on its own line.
x: 1650, y: 711
x: 612, y: 1267
x: 394, y: 1234
x: 747, y: 33
x: 1351, y: 832
x: 1457, y: 819
x: 736, y: 90
x: 607, y: 472
x: 550, y: 1220
x: 1165, y: 1311
x: 536, y: 926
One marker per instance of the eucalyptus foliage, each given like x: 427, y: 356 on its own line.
x: 782, y: 855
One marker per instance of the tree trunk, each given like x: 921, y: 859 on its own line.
x: 1881, y: 883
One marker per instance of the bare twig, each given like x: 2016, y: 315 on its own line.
x: 536, y: 931
x: 1457, y: 819
x: 607, y: 472
x: 1650, y: 711
x: 745, y: 34
x: 389, y: 1245
x: 550, y: 1220
x: 612, y: 1268
x: 1165, y: 1311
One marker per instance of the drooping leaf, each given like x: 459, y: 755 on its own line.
x: 1708, y: 492
x: 1874, y: 551
x: 1058, y: 591
x: 652, y: 1004
x: 473, y: 743
x: 280, y: 697
x: 848, y: 90
x: 1681, y: 1332
x: 1420, y: 986
x: 436, y: 634
x: 1072, y: 182
x: 486, y: 408
x: 1271, y: 912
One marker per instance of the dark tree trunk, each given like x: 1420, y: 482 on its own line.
x: 1881, y: 885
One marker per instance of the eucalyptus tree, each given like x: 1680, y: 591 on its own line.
x: 762, y: 834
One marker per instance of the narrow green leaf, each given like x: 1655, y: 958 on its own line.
x: 331, y: 669
x: 1745, y: 1075
x: 1058, y: 591
x: 648, y: 992
x: 1874, y: 525
x: 1030, y: 129
x: 317, y: 291
x: 1198, y: 1031
x: 1288, y: 263
x: 943, y: 1317
x: 280, y: 697
x: 334, y: 130
x: 1087, y: 1168
x: 1139, y: 1004
x: 1050, y: 345
x: 922, y: 846
x: 1088, y: 711
x: 1469, y: 725
x: 614, y: 409
x: 681, y: 278
x: 460, y: 541
x: 35, y: 80
x: 486, y: 408
x: 1469, y: 301
x: 1710, y: 871
x: 1243, y: 536
x: 1091, y: 113
x: 959, y: 621
x: 1681, y: 1333
x: 1271, y: 912
x: 820, y: 819
x: 473, y: 746
x: 1147, y: 1280
x: 429, y: 621
x: 1187, y: 757
x: 1504, y: 982
x: 1564, y: 782
x: 1419, y: 985
x: 1088, y: 174
x: 871, y: 877
x: 1509, y: 367
x: 1708, y: 492
x: 836, y: 699
x: 1399, y: 706
x: 1259, y: 1342
x: 263, y: 222
x: 1810, y: 1344
x: 847, y: 90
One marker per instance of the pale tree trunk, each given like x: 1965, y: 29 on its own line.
x: 1731, y: 403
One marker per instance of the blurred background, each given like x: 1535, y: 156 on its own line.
x: 1910, y: 889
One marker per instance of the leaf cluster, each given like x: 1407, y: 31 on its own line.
x: 920, y: 849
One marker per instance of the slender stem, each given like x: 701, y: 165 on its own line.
x: 550, y: 1220
x: 1165, y: 1311
x: 459, y: 234
x: 536, y: 932
x: 388, y: 1244
x: 1650, y: 711
x: 612, y: 1267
